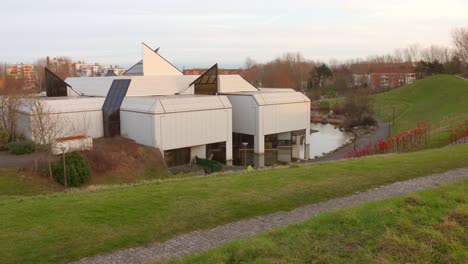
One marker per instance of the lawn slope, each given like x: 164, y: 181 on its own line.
x: 440, y: 99
x: 424, y: 227
x: 68, y: 226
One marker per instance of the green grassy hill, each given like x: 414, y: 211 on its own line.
x: 439, y: 99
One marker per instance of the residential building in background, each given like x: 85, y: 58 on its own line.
x: 25, y: 72
x: 386, y: 77
x: 361, y: 80
x: 84, y: 69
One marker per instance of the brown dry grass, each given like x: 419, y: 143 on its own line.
x: 119, y: 160
x: 112, y: 160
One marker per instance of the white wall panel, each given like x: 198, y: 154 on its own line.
x: 285, y: 117
x: 244, y: 112
x: 138, y: 127
x: 186, y: 129
x: 154, y: 64
x: 198, y: 151
x: 88, y: 123
x: 23, y: 125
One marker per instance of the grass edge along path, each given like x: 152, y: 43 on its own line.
x: 424, y: 227
x: 203, y: 240
x: 67, y: 227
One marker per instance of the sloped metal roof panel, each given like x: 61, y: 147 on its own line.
x: 91, y: 86
x: 282, y: 90
x: 135, y: 70
x: 192, y: 103
x: 233, y: 84
x: 158, y: 85
x: 142, y: 105
x: 174, y: 104
x: 65, y: 104
x: 271, y: 98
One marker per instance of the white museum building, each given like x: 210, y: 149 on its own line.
x: 212, y: 116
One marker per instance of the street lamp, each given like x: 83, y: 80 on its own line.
x: 245, y: 152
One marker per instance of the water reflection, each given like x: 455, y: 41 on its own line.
x: 326, y: 139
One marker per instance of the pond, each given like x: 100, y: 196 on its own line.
x: 328, y: 138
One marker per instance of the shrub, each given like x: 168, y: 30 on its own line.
x: 21, y: 147
x: 4, y: 137
x: 213, y: 165
x: 324, y: 105
x: 77, y: 168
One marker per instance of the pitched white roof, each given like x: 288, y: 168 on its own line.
x: 286, y: 90
x: 155, y: 85
x: 271, y: 98
x: 64, y: 104
x: 158, y: 85
x: 91, y: 86
x: 174, y: 104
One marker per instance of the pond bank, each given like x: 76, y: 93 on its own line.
x: 363, y: 138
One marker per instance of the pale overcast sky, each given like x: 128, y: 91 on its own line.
x: 200, y: 33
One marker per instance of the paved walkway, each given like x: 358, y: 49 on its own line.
x: 199, y: 241
x: 380, y: 133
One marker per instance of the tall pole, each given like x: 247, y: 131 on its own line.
x: 64, y: 169
x: 245, y: 156
x: 245, y: 153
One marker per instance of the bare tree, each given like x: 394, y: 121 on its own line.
x: 64, y: 67
x: 437, y: 53
x: 46, y: 126
x: 39, y: 66
x: 9, y: 103
x: 460, y: 40
x: 412, y: 53
x: 249, y: 63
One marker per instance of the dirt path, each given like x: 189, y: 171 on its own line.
x: 199, y: 241
x: 380, y: 133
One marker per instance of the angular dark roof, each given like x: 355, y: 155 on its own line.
x: 110, y: 73
x: 135, y: 70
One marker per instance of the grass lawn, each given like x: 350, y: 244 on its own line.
x: 440, y: 99
x: 424, y: 227
x: 15, y: 183
x: 68, y: 226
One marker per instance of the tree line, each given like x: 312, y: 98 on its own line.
x: 292, y: 70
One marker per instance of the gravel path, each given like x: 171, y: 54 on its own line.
x: 199, y: 241
x: 380, y: 133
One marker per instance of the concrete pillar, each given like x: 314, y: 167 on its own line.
x: 307, y: 151
x: 259, y: 144
x: 259, y: 160
x: 307, y: 134
x: 229, y: 138
x: 199, y: 151
x: 259, y: 151
x: 307, y: 145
